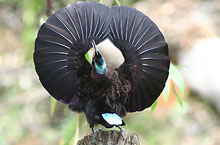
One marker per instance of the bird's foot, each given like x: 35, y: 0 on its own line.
x: 95, y: 133
x: 92, y: 127
x: 97, y: 130
x: 122, y: 131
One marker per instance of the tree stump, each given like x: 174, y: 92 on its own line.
x: 111, y: 137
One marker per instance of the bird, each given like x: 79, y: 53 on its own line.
x: 104, y: 93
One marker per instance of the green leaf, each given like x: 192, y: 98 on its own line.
x: 177, y: 78
x: 52, y: 105
x: 42, y: 20
x: 118, y: 2
x: 87, y: 57
x: 70, y: 132
x: 177, y: 96
x: 166, y: 90
x: 153, y: 106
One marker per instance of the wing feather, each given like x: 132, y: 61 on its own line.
x: 67, y: 26
x: 61, y: 44
x: 143, y: 34
x: 146, y: 56
x: 73, y: 24
x: 55, y: 41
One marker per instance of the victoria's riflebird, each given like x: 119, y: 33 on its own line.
x: 103, y: 93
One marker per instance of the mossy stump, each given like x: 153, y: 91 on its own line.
x: 111, y: 137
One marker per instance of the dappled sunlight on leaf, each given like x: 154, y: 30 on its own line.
x: 175, y: 89
x: 71, y: 134
x: 153, y: 106
x: 52, y: 105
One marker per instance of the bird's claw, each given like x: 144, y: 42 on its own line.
x: 122, y: 131
x: 97, y: 130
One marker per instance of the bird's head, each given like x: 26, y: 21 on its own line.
x: 98, y: 61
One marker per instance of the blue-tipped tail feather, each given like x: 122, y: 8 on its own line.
x: 112, y: 119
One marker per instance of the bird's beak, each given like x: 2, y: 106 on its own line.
x: 94, y: 46
x: 91, y: 53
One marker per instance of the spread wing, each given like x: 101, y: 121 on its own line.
x: 61, y: 44
x: 146, y: 56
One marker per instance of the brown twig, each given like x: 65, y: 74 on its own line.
x: 49, y: 7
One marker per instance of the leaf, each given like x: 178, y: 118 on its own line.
x: 118, y: 2
x: 177, y: 96
x: 153, y: 106
x: 52, y: 105
x: 70, y: 132
x: 87, y: 57
x: 177, y: 78
x: 90, y: 54
x: 166, y: 90
x: 42, y: 20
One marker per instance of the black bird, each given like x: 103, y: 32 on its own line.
x: 103, y: 93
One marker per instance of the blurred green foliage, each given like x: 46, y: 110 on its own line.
x: 15, y: 126
x: 177, y: 78
x: 31, y: 12
x: 70, y: 132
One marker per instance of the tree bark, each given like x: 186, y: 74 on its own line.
x: 111, y: 137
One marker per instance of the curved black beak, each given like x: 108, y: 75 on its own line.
x: 94, y: 46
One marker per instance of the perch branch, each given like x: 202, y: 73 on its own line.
x: 111, y: 137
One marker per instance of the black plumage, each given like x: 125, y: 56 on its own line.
x: 65, y: 73
x: 146, y: 56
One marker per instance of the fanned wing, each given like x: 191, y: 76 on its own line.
x: 146, y: 56
x: 62, y: 43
